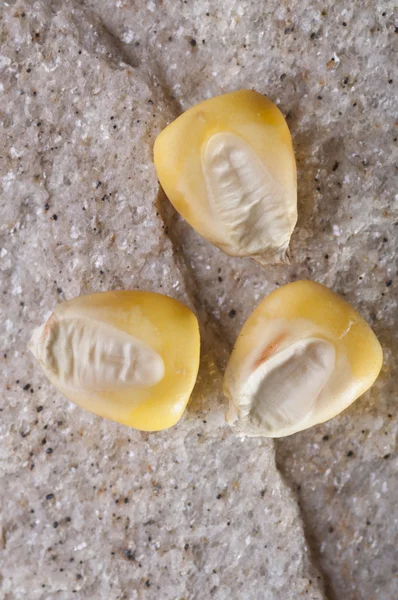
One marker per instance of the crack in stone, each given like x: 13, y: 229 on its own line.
x: 306, y: 525
x: 215, y: 350
x: 117, y: 47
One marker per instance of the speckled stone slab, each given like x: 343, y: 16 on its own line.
x: 194, y: 512
x: 91, y: 509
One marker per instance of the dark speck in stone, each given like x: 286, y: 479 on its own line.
x: 46, y: 206
x: 325, y: 438
x: 49, y: 451
x: 335, y: 166
x: 148, y: 583
x: 350, y: 453
x: 55, y: 217
x: 26, y: 387
x: 388, y: 283
x: 49, y: 496
x: 129, y: 554
x: 55, y: 524
x: 232, y: 313
x: 193, y: 42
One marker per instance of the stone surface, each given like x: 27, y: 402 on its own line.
x: 330, y: 67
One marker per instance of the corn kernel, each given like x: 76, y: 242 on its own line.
x: 129, y: 356
x: 302, y: 357
x: 227, y: 166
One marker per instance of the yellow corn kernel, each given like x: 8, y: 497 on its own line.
x: 227, y: 166
x: 129, y: 356
x: 302, y: 357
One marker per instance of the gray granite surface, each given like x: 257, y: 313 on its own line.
x: 93, y: 510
